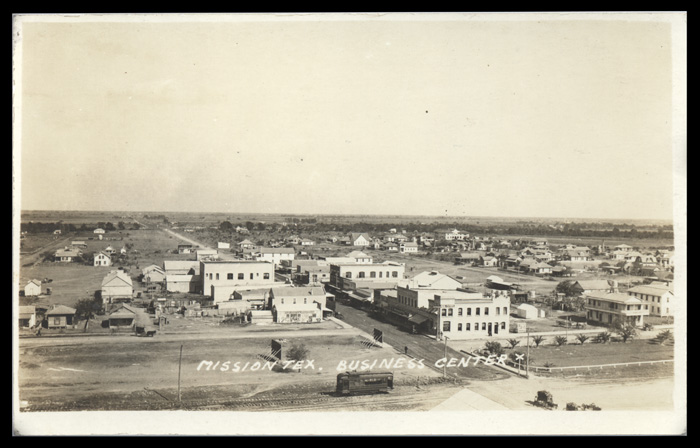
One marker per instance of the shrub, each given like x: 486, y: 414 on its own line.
x: 582, y: 338
x: 513, y: 342
x: 560, y: 340
x: 494, y: 348
x: 603, y: 337
x: 538, y: 340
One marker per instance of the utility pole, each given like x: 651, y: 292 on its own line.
x: 527, y: 360
x: 444, y: 366
x: 179, y: 370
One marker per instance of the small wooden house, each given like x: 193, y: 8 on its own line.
x: 60, y: 317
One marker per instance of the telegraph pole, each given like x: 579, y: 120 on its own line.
x: 444, y: 366
x: 179, y: 370
x: 527, y: 360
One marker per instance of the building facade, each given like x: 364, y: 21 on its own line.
x: 381, y: 272
x: 659, y: 300
x: 609, y: 308
x: 117, y: 287
x: 297, y: 304
x: 463, y: 315
x: 275, y: 255
x: 235, y: 273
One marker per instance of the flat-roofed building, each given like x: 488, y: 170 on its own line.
x: 235, y: 273
x: 275, y: 255
x: 464, y: 314
x: 203, y: 254
x: 387, y: 271
x: 608, y: 308
x: 298, y: 304
x: 183, y: 283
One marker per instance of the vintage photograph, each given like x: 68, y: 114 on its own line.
x: 349, y: 224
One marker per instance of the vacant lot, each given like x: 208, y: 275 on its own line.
x: 82, y: 372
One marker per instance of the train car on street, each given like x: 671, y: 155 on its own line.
x: 356, y: 383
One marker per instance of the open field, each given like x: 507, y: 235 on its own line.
x: 76, y: 371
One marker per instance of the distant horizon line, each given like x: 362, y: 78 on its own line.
x: 666, y: 220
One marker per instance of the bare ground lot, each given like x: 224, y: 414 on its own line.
x: 142, y: 373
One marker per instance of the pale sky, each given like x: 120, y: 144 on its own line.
x: 385, y: 115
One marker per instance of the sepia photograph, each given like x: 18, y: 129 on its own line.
x: 314, y: 224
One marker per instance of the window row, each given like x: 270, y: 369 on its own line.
x: 477, y: 311
x: 294, y: 301
x: 374, y: 274
x: 240, y: 276
x: 447, y: 326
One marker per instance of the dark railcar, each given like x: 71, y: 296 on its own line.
x: 355, y: 383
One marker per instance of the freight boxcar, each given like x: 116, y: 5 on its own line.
x: 356, y: 383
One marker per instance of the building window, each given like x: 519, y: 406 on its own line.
x: 486, y: 311
x: 498, y: 311
x: 459, y: 311
x: 380, y: 274
x: 468, y: 327
x: 395, y: 274
x: 449, y: 312
x: 266, y: 276
x: 503, y: 325
x: 229, y: 276
x: 505, y: 310
x: 446, y: 326
x: 478, y: 311
x: 281, y: 301
x: 469, y: 311
x: 372, y: 274
x: 459, y: 327
x: 444, y: 312
x: 304, y: 300
x: 361, y: 274
x: 294, y: 301
x: 348, y: 275
x: 57, y: 321
x: 241, y: 276
x: 483, y: 325
x: 217, y: 275
x: 251, y: 276
x: 476, y: 326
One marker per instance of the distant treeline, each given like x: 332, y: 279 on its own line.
x: 50, y: 227
x: 595, y: 230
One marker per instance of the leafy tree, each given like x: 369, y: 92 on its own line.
x: 538, y: 340
x: 121, y: 225
x: 603, y: 337
x: 582, y: 338
x: 109, y: 226
x: 87, y: 309
x: 567, y: 288
x: 298, y: 352
x: 226, y: 226
x: 494, y: 348
x: 513, y: 342
x: 625, y: 330
x: 560, y: 340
